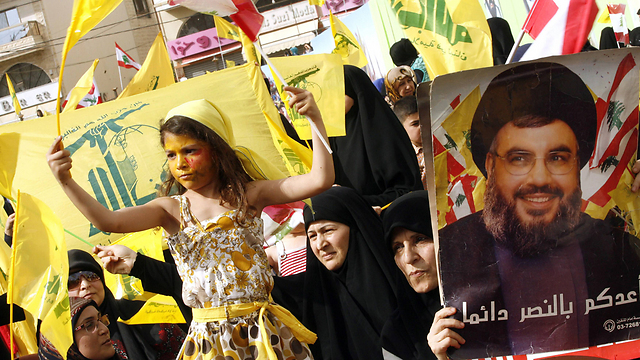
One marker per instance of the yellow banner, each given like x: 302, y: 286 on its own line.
x: 346, y: 44
x: 14, y: 98
x: 226, y: 29
x: 40, y: 269
x: 155, y: 73
x: 323, y: 76
x: 451, y: 35
x: 82, y: 88
x: 116, y: 150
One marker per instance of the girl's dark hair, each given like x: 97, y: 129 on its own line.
x: 231, y: 176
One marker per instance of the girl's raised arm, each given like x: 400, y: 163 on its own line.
x: 317, y: 180
x: 130, y: 219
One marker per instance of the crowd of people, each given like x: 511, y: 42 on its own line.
x: 368, y: 287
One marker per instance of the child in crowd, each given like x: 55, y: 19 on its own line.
x: 406, y: 110
x: 215, y: 231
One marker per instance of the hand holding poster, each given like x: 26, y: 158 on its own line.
x: 544, y: 266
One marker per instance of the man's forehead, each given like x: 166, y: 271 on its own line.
x: 555, y: 135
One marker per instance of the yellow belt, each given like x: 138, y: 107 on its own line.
x: 236, y: 310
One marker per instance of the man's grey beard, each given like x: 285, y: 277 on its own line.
x: 529, y: 239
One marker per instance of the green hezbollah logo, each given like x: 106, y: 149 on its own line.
x: 433, y: 16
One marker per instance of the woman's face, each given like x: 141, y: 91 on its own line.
x: 405, y: 86
x: 329, y: 241
x: 416, y: 257
x: 88, y: 286
x: 92, y: 336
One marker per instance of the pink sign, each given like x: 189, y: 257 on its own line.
x: 341, y: 5
x: 196, y: 43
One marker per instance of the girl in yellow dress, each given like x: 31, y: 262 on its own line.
x: 215, y: 230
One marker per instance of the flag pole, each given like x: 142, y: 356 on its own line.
x: 515, y: 47
x: 220, y: 47
x: 120, y: 74
x: 284, y: 82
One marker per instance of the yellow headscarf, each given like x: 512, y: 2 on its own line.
x: 206, y: 113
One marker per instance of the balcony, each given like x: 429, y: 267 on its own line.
x: 20, y: 39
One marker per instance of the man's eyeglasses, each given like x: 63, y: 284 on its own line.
x: 76, y: 278
x: 91, y: 325
x: 521, y: 162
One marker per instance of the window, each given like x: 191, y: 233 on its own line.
x: 196, y: 23
x: 23, y: 77
x: 141, y: 7
x: 9, y: 18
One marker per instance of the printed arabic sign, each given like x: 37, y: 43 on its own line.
x: 196, y: 43
x: 537, y: 220
x: 31, y: 97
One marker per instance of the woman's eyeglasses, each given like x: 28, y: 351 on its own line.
x: 92, y: 324
x: 76, y: 278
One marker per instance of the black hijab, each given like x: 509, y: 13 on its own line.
x: 405, y: 334
x: 608, y: 39
x: 375, y: 157
x: 346, y: 308
x: 144, y: 341
x: 501, y: 39
x: 77, y: 306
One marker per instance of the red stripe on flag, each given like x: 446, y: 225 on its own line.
x: 437, y: 147
x: 582, y: 14
x: 468, y: 191
x: 623, y: 69
x: 614, y: 146
x: 454, y: 104
x: 601, y: 197
x: 247, y: 18
x: 454, y: 168
x: 450, y: 216
x: 539, y: 16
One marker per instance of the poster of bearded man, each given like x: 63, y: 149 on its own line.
x: 537, y: 246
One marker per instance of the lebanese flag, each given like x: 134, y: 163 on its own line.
x: 125, y: 60
x: 555, y: 32
x: 242, y: 12
x: 619, y: 23
x: 92, y: 98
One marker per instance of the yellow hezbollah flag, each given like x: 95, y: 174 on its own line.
x: 604, y: 16
x: 323, y: 76
x: 40, y: 268
x: 297, y: 157
x: 155, y: 73
x: 230, y: 63
x: 24, y: 332
x: 451, y: 35
x: 346, y: 44
x: 85, y: 16
x: 158, y: 308
x: 225, y: 29
x: 12, y: 92
x: 115, y: 147
x: 316, y: 2
x: 82, y: 88
x: 250, y: 52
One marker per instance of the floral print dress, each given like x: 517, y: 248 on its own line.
x: 223, y: 263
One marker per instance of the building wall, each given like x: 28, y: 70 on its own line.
x: 135, y: 35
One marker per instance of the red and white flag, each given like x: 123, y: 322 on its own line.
x: 125, y: 60
x: 619, y: 23
x: 554, y: 31
x: 92, y: 98
x: 243, y: 12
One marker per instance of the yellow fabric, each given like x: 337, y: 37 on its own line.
x: 604, y: 16
x: 297, y: 157
x: 40, y: 268
x: 250, y: 53
x: 158, y: 309
x: 230, y: 63
x: 206, y: 113
x: 323, y: 76
x: 316, y: 2
x: 116, y: 150
x: 14, y: 98
x: 156, y: 71
x: 24, y: 332
x: 86, y: 14
x: 236, y: 310
x: 453, y: 39
x: 226, y: 29
x: 346, y: 44
x: 82, y: 88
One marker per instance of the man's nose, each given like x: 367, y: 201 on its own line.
x: 539, y: 174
